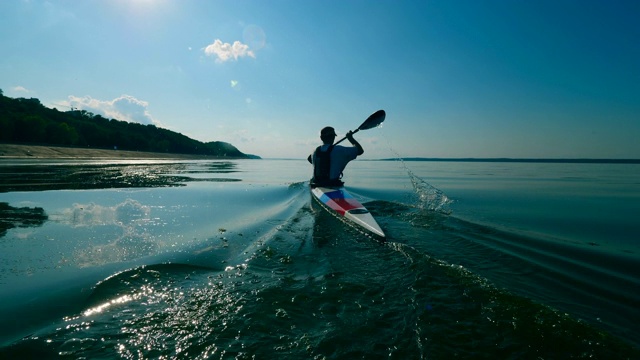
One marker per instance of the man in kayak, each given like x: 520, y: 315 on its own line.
x: 330, y: 160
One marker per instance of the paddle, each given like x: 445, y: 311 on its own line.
x: 374, y: 120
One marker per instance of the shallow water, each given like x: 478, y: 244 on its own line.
x: 232, y: 259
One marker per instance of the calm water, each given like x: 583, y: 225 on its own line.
x: 231, y: 259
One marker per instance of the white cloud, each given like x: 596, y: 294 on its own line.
x: 20, y: 89
x: 126, y: 108
x: 225, y: 51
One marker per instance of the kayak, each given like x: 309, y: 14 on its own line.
x: 340, y: 203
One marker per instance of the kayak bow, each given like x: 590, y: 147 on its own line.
x: 341, y: 204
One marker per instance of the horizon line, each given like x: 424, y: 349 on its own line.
x: 500, y: 159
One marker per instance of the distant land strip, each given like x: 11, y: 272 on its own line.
x: 14, y: 151
x: 516, y: 160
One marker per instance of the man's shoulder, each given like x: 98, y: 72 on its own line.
x: 348, y: 151
x: 345, y: 148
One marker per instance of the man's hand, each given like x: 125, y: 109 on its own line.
x: 350, y: 136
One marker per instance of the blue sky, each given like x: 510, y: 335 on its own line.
x: 497, y: 78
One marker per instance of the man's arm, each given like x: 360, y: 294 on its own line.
x: 355, y: 143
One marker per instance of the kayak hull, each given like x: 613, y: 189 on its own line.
x: 340, y: 203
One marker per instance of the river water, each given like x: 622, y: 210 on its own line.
x: 232, y: 259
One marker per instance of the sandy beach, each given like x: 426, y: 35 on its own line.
x: 12, y: 151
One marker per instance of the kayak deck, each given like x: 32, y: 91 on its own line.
x: 342, y: 204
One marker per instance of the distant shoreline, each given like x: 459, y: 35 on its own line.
x: 524, y: 160
x: 14, y: 151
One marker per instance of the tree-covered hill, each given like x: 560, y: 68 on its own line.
x: 27, y: 121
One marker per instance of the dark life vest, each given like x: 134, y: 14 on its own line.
x: 322, y: 169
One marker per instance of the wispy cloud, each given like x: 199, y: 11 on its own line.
x: 20, y: 89
x: 226, y: 51
x: 244, y: 136
x: 125, y: 107
x: 56, y: 14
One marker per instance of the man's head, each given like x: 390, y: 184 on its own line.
x: 328, y: 134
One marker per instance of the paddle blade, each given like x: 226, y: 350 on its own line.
x: 374, y: 120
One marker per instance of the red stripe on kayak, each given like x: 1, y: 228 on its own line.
x: 343, y: 205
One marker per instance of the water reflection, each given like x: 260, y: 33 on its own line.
x: 11, y: 217
x: 83, y: 176
x: 129, y: 220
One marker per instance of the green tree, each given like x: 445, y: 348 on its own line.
x: 28, y: 121
x: 37, y: 127
x: 6, y: 129
x: 62, y: 134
